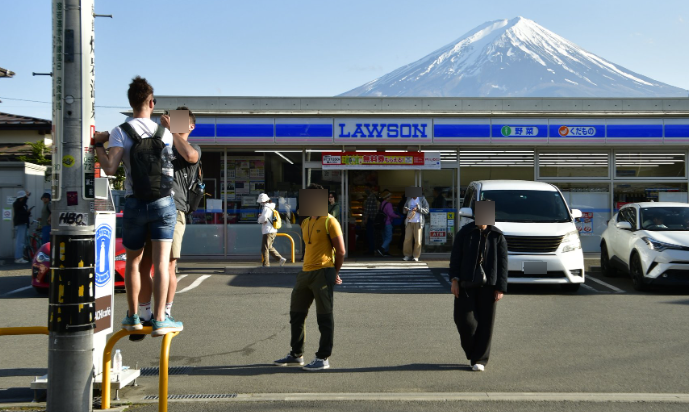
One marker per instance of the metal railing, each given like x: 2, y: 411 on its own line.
x: 291, y: 241
x: 163, y: 370
x: 25, y: 330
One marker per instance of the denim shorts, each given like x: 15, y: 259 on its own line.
x: 141, y: 217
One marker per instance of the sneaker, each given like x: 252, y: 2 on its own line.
x: 380, y: 252
x: 317, y: 365
x: 478, y: 367
x: 138, y: 337
x: 282, y: 261
x: 290, y: 360
x: 406, y: 258
x: 166, y: 326
x: 21, y: 260
x: 132, y: 322
x: 416, y: 259
x: 386, y: 254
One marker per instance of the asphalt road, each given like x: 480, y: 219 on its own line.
x: 390, y: 339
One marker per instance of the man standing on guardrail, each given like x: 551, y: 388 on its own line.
x: 325, y: 251
x: 22, y: 214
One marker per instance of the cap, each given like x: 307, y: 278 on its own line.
x: 21, y: 193
x: 262, y: 198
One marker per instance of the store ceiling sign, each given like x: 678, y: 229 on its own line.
x: 381, y: 160
x: 376, y: 131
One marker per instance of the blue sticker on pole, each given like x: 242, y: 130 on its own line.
x: 103, y: 248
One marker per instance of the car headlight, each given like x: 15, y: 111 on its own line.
x: 571, y: 242
x: 42, y: 257
x: 659, y: 246
x: 121, y: 256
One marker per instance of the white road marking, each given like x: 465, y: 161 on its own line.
x: 18, y: 290
x: 195, y: 284
x: 585, y: 286
x: 607, y: 285
x: 180, y: 277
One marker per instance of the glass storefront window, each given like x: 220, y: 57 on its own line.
x: 439, y: 188
x: 494, y: 164
x: 593, y: 199
x: 648, y: 192
x: 204, y: 232
x: 649, y: 164
x: 557, y: 164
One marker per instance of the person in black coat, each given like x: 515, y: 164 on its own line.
x: 474, y: 308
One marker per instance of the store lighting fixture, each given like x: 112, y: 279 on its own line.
x: 283, y: 156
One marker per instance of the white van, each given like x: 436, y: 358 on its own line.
x: 542, y: 238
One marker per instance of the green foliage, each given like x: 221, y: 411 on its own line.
x: 38, y: 154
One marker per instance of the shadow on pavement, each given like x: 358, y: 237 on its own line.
x: 6, y: 373
x: 270, y: 369
x: 10, y: 395
x: 11, y: 283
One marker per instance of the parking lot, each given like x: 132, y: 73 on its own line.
x: 394, y: 335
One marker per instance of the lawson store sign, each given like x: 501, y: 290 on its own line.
x: 445, y: 130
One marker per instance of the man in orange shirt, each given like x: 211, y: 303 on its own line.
x: 323, y: 259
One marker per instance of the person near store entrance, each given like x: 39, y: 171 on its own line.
x: 386, y: 208
x: 265, y: 219
x: 325, y: 251
x: 369, y: 217
x: 21, y: 218
x: 479, y: 250
x: 415, y: 208
x: 334, y: 205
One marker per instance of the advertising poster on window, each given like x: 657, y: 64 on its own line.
x: 245, y: 175
x: 381, y: 160
x: 585, y: 224
x: 438, y: 232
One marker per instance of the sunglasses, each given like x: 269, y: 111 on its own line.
x: 154, y: 101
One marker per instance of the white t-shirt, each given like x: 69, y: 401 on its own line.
x: 146, y: 128
x: 412, y: 204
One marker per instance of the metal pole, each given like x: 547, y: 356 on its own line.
x: 71, y: 301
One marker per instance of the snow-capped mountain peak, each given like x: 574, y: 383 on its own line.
x: 514, y: 58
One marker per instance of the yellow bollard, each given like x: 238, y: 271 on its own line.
x: 107, y: 355
x: 291, y: 240
x: 163, y: 371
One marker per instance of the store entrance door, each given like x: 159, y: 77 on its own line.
x: 359, y: 242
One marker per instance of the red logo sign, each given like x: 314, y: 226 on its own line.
x: 563, y: 130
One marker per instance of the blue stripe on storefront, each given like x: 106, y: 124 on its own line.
x: 203, y: 130
x: 461, y: 130
x: 641, y: 130
x: 245, y: 130
x: 677, y: 130
x: 304, y: 130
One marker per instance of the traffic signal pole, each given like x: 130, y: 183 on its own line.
x: 71, y: 301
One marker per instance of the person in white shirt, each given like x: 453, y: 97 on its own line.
x: 415, y: 208
x: 265, y: 219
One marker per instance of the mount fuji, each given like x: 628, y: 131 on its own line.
x: 514, y: 58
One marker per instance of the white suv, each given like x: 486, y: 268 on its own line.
x: 650, y: 241
x: 542, y: 238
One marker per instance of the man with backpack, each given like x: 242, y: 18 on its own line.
x: 323, y: 258
x: 270, y: 222
x: 145, y: 148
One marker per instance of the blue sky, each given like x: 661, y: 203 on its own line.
x: 309, y: 47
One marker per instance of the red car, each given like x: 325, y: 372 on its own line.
x: 40, y: 266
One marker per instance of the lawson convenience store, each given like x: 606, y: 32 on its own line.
x: 601, y: 153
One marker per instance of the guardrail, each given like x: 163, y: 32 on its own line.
x: 291, y: 241
x: 163, y: 372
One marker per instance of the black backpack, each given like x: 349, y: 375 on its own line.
x: 379, y: 222
x: 151, y: 170
x: 197, y: 190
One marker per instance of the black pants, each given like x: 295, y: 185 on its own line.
x: 315, y: 285
x: 474, y: 316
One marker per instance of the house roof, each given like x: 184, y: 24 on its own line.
x: 17, y: 122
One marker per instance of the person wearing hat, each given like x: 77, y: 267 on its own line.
x: 46, y: 214
x: 22, y: 215
x: 265, y: 219
x: 390, y: 214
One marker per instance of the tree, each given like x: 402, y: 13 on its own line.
x: 38, y: 152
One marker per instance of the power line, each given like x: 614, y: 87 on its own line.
x: 38, y: 101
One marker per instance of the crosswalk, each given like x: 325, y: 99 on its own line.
x: 395, y: 277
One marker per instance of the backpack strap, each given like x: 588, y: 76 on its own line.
x: 160, y: 132
x: 129, y: 131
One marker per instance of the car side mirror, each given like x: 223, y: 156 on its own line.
x: 624, y: 225
x: 576, y: 213
x: 466, y: 212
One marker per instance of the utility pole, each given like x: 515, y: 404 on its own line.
x: 72, y: 283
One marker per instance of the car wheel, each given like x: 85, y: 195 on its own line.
x: 605, y: 266
x: 571, y: 287
x: 637, y: 273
